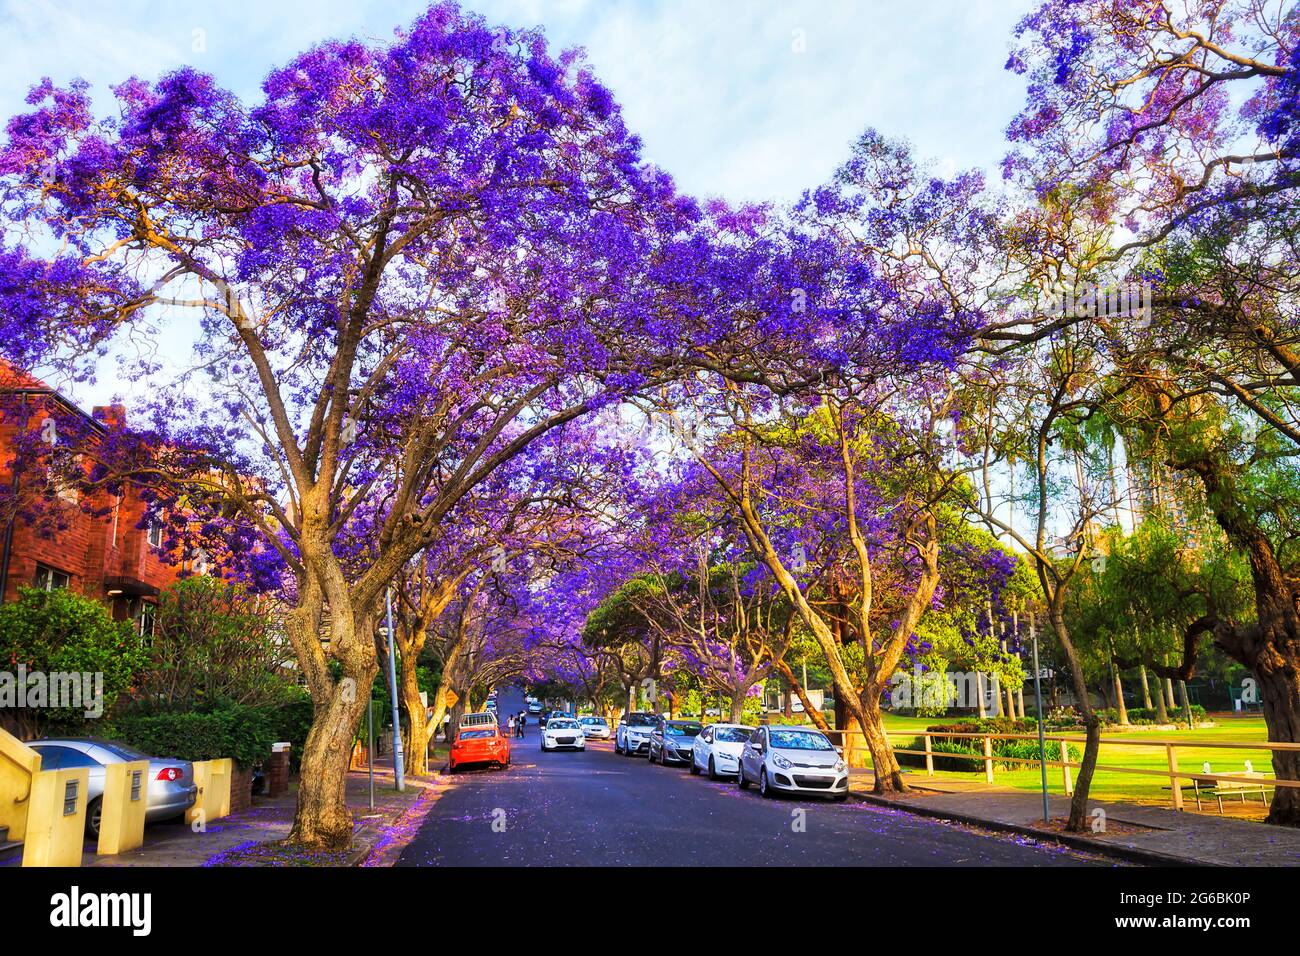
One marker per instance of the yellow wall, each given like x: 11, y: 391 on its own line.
x: 18, y: 764
x: 121, y: 825
x: 212, y: 777
x: 55, y: 837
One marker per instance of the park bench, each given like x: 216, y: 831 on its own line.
x: 1229, y: 788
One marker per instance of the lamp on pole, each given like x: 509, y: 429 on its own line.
x: 399, y: 764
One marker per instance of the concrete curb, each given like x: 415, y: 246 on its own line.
x: 1125, y: 853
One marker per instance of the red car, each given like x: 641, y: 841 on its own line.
x: 480, y: 745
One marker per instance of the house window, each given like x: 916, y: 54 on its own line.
x: 146, y: 620
x: 47, y: 578
x: 155, y: 534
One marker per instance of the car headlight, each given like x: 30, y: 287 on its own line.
x: 781, y: 762
x: 840, y: 766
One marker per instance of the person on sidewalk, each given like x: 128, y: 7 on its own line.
x: 511, y: 724
x: 519, y: 727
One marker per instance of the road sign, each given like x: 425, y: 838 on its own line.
x: 452, y: 697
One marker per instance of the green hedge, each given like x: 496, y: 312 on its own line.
x: 955, y: 749
x: 244, y: 733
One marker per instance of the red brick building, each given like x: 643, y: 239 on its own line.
x: 104, y: 555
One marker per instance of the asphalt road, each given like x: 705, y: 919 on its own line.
x: 601, y: 809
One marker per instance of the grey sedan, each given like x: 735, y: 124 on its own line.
x: 171, y: 789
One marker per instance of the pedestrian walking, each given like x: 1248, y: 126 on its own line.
x: 511, y: 723
x: 519, y: 727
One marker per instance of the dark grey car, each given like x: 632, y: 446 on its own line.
x: 171, y: 789
x: 672, y: 741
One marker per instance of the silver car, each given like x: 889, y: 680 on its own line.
x: 793, y: 760
x: 596, y: 728
x: 171, y: 788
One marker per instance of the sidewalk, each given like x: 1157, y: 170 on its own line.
x: 1150, y: 835
x: 247, y: 838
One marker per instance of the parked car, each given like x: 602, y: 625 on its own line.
x: 595, y: 728
x: 483, y: 718
x: 563, y: 733
x: 793, y: 760
x: 633, y: 734
x: 550, y: 715
x: 171, y: 789
x: 534, y: 707
x: 479, y: 745
x: 717, y: 749
x: 672, y: 741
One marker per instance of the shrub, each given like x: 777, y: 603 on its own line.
x: 62, y: 632
x: 244, y: 733
x: 954, y: 748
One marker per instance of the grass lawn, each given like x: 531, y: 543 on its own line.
x: 1136, y: 788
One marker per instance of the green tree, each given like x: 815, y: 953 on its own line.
x: 58, y: 632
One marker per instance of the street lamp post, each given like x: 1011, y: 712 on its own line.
x: 399, y: 764
x: 370, y: 747
x: 1038, y: 705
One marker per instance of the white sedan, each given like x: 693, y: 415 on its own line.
x: 717, y: 749
x: 597, y: 728
x: 563, y: 733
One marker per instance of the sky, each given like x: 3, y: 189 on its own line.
x: 746, y: 99
x: 751, y: 100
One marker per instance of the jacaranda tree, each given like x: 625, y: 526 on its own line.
x: 406, y: 263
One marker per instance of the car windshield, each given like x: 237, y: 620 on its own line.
x: 682, y: 730
x: 799, y: 740
x: 476, y: 734
x: 732, y: 735
x: 594, y: 721
x: 561, y: 723
x: 640, y: 720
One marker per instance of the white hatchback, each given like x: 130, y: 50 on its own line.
x: 793, y: 760
x: 717, y: 749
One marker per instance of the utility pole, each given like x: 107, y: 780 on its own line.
x: 1038, y: 705
x: 399, y: 763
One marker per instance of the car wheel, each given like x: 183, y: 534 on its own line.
x: 763, y: 789
x: 740, y: 778
x: 713, y: 770
x: 695, y: 768
x: 94, y: 813
x: 650, y: 753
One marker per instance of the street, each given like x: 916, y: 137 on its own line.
x: 601, y: 809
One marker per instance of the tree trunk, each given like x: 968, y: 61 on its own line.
x: 737, y: 707
x: 1169, y: 693
x: 889, y: 777
x: 417, y: 734
x: 1280, y: 694
x: 1119, y: 696
x: 1078, y: 822
x: 1162, y: 713
x: 1146, y: 688
x: 322, y: 819
x: 788, y: 673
